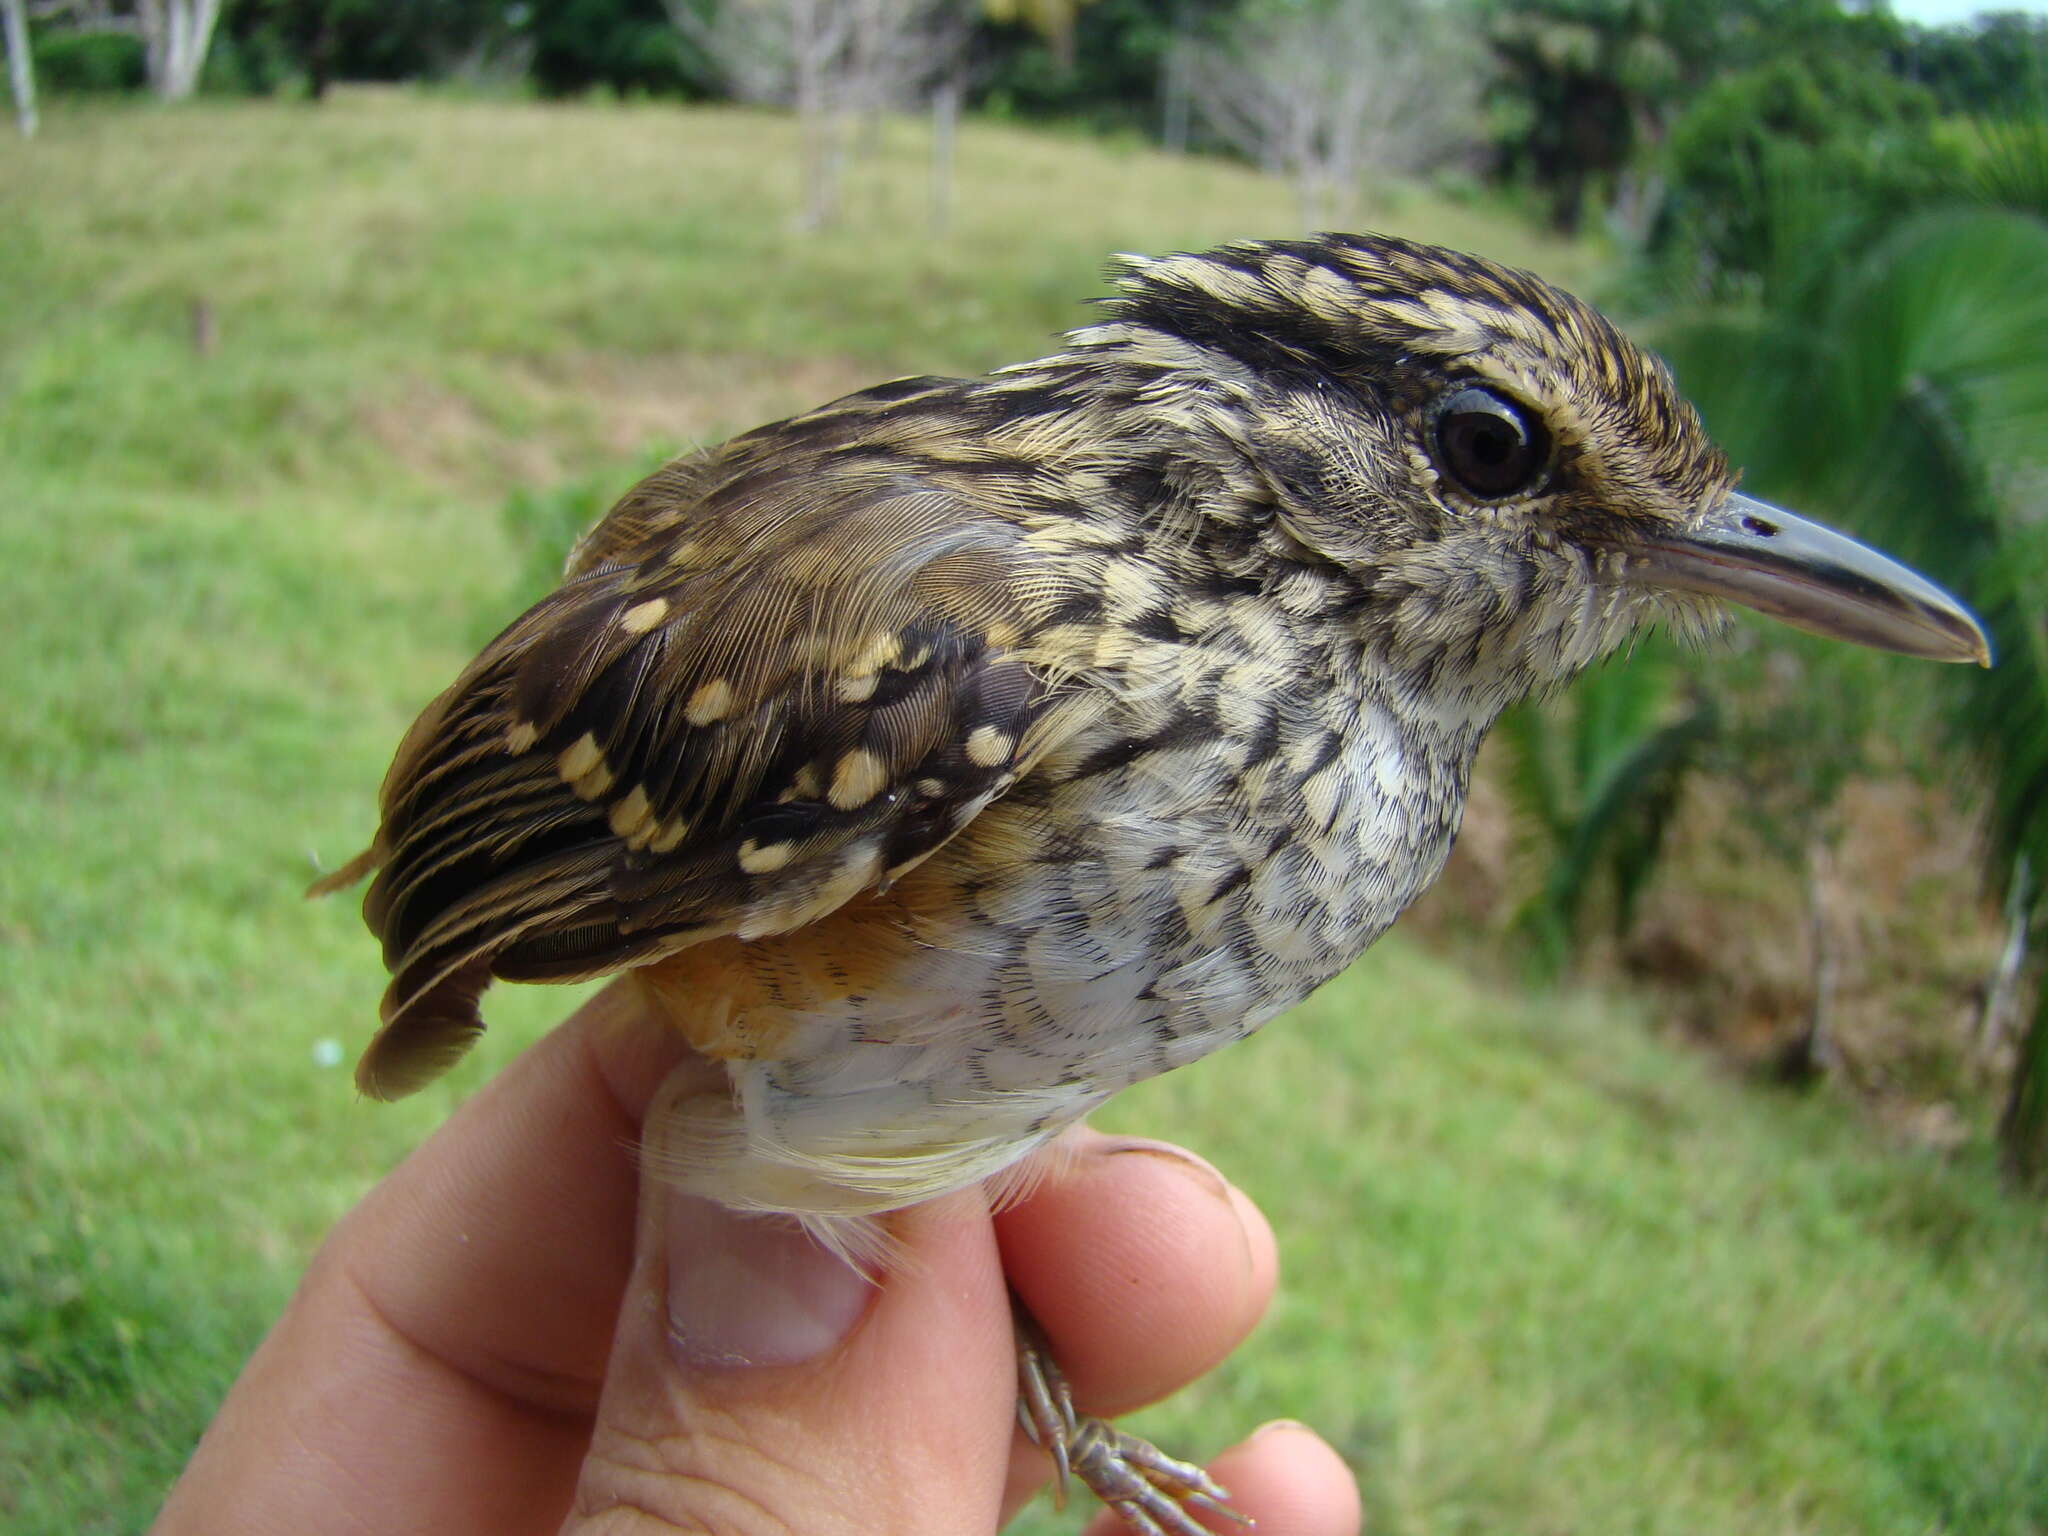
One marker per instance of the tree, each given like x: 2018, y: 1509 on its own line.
x: 332, y: 40
x: 1587, y: 88
x: 1590, y: 80
x: 839, y: 63
x: 175, y: 37
x: 1117, y: 74
x: 1990, y: 63
x: 1323, y: 90
x: 21, y: 68
x: 1837, y: 121
x: 1053, y: 20
x: 1796, y: 721
x: 620, y: 45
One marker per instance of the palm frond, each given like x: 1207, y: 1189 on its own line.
x: 1599, y: 774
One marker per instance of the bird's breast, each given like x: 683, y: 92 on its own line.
x: 1251, y: 837
x: 1200, y: 857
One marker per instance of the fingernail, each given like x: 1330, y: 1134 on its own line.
x: 1119, y: 1146
x: 753, y: 1290
x: 1277, y: 1427
x: 1258, y: 1233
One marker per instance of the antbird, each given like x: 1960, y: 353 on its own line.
x: 951, y: 756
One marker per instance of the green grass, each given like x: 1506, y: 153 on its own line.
x: 1543, y: 1272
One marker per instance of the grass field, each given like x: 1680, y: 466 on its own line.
x: 1543, y: 1273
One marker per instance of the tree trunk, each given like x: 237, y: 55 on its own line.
x: 824, y: 157
x: 21, y: 65
x: 1813, y: 1054
x: 2002, y: 992
x: 2023, y: 1128
x: 1176, y: 97
x: 320, y: 57
x: 817, y: 36
x: 945, y: 122
x: 1568, y: 201
x: 175, y: 37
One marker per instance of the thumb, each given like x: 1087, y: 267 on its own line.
x: 760, y: 1383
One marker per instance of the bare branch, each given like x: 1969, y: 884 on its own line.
x: 1322, y: 91
x: 837, y: 63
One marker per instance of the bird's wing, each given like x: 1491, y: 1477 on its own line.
x: 742, y: 709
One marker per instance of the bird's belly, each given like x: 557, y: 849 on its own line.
x: 1078, y: 937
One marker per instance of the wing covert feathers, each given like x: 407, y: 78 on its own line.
x: 766, y: 686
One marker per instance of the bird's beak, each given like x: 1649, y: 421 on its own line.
x: 1750, y: 552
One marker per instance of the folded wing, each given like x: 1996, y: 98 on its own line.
x: 757, y: 696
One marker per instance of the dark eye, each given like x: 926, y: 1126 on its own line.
x: 1489, y: 445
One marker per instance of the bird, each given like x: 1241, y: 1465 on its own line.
x: 949, y: 757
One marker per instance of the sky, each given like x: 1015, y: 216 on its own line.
x: 1936, y: 13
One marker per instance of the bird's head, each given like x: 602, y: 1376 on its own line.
x: 1515, y: 485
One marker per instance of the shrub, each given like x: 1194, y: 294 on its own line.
x: 1824, y: 122
x: 89, y: 61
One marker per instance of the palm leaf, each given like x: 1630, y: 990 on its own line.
x: 1598, y: 774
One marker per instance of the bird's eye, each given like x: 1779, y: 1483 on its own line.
x: 1488, y: 445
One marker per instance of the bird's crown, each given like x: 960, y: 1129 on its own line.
x: 1410, y: 322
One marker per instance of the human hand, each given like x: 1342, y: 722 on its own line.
x: 509, y: 1335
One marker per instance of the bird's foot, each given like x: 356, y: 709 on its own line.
x: 1153, y: 1493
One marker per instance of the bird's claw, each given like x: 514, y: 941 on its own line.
x: 1045, y: 1408
x: 1153, y: 1493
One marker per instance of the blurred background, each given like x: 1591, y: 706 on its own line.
x: 1678, y: 1166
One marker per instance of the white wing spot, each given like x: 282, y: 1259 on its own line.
x: 580, y: 757
x: 757, y: 860
x: 987, y: 746
x: 666, y: 836
x: 642, y: 617
x: 582, y: 765
x: 880, y: 649
x: 631, y: 815
x: 856, y: 779
x: 711, y: 702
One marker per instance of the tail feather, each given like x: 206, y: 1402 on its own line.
x: 428, y: 1035
x: 363, y: 864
